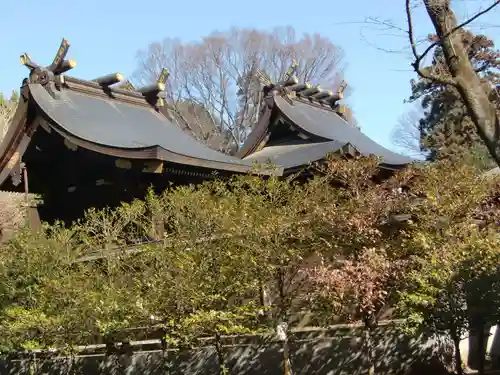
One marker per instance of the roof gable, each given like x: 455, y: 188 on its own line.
x: 314, y: 114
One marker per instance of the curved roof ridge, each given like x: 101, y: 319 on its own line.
x: 330, y: 126
x: 124, y: 126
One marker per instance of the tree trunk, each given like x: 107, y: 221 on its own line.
x: 223, y: 370
x: 369, y: 350
x: 480, y: 333
x: 283, y: 319
x: 458, y: 356
x: 371, y: 323
x: 287, y: 369
x: 473, y: 93
x: 264, y: 300
x: 33, y: 368
x: 165, y: 354
x: 481, y: 348
x: 282, y: 333
x: 280, y: 279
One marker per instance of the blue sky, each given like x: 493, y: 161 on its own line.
x: 105, y: 36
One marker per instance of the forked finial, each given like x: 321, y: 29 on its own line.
x: 292, y: 69
x: 155, y: 93
x: 342, y: 87
x: 162, y: 79
x: 26, y: 61
x: 157, y: 87
x: 60, y: 56
x: 58, y: 66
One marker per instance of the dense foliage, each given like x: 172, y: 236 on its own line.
x: 240, y: 256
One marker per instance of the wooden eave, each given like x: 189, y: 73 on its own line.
x: 149, y: 153
x: 18, y: 136
x: 259, y: 133
x: 25, y: 123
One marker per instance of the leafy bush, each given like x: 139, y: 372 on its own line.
x: 239, y: 256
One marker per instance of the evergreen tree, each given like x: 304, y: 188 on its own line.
x: 14, y: 97
x: 7, y: 109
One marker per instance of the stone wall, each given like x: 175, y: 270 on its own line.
x: 335, y: 351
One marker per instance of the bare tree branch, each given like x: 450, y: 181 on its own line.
x: 460, y: 26
x: 418, y: 58
x: 219, y: 72
x: 406, y: 133
x: 474, y: 94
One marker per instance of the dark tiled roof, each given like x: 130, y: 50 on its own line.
x: 195, y: 121
x: 112, y: 123
x: 327, y: 124
x: 294, y: 155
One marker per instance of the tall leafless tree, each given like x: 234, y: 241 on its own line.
x: 213, y: 73
x: 406, y: 133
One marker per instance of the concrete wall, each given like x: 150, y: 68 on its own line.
x: 335, y: 351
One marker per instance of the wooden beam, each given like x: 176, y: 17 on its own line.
x: 109, y: 79
x: 70, y: 145
x: 123, y: 164
x: 153, y: 166
x: 154, y: 88
x: 65, y: 66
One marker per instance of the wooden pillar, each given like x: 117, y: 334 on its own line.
x: 32, y: 216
